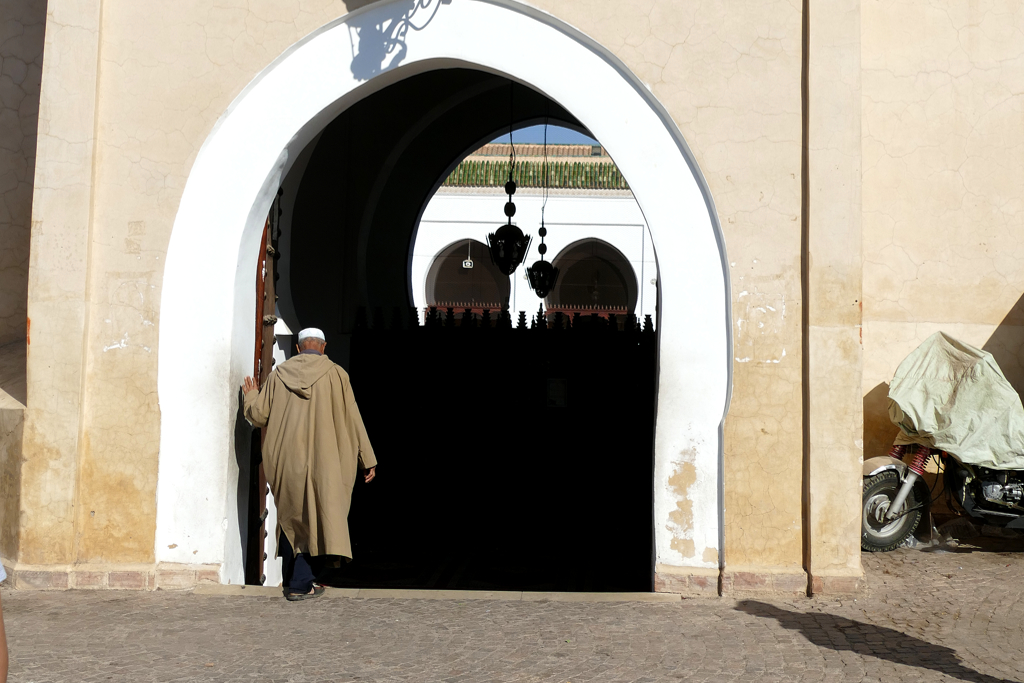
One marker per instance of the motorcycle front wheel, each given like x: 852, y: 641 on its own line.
x: 877, y: 533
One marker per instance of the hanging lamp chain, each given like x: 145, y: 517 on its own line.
x: 544, y: 203
x: 508, y: 245
x: 511, y: 142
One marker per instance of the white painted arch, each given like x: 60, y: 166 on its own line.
x: 209, y: 279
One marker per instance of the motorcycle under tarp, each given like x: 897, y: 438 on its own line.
x: 951, y: 396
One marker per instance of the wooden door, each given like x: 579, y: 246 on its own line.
x: 263, y: 363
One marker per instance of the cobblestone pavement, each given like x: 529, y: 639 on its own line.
x: 922, y: 617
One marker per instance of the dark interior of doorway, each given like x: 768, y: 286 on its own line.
x: 515, y: 459
x: 509, y: 459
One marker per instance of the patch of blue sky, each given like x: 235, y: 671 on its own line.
x: 557, y: 135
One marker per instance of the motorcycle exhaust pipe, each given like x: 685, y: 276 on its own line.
x: 914, y: 471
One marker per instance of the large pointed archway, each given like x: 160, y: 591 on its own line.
x: 208, y: 280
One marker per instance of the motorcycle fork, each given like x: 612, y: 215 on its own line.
x: 915, y: 469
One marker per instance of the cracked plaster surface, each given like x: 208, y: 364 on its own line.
x: 943, y: 145
x: 834, y: 270
x: 729, y: 76
x: 61, y: 207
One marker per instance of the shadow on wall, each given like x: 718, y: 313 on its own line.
x: 244, y: 436
x: 1007, y: 346
x: 380, y: 45
x: 12, y: 422
x: 879, y: 431
x: 22, y: 24
x: 841, y: 634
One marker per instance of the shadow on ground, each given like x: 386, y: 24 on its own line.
x: 1007, y: 546
x: 838, y: 633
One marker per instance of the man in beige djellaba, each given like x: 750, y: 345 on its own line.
x: 314, y: 447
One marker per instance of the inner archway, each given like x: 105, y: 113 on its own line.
x: 595, y: 276
x: 259, y: 140
x: 455, y: 279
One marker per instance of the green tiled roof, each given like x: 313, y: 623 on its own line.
x: 572, y: 175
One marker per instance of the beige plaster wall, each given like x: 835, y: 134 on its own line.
x: 729, y: 75
x: 61, y: 218
x: 834, y: 267
x: 22, y: 24
x: 943, y: 146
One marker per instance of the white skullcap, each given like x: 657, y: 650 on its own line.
x: 311, y: 333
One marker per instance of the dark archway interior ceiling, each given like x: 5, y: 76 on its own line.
x: 372, y: 171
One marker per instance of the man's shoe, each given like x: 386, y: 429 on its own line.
x: 315, y: 592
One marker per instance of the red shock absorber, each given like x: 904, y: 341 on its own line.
x: 920, y: 459
x: 897, y: 452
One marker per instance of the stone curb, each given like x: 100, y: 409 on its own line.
x: 402, y: 594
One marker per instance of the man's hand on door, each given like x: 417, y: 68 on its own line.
x: 250, y: 384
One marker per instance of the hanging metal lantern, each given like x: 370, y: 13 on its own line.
x: 508, y: 247
x: 542, y: 276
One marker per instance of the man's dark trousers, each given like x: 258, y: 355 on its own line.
x: 298, y: 575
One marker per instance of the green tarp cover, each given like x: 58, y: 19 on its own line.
x: 949, y: 395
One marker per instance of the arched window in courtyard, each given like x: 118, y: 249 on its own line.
x: 594, y: 277
x: 463, y: 276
